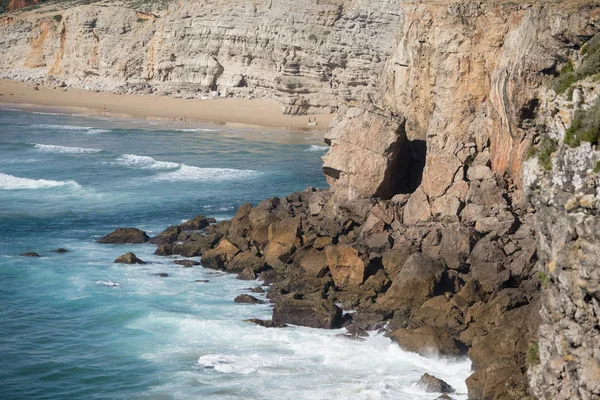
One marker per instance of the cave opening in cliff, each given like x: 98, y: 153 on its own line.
x: 405, y: 171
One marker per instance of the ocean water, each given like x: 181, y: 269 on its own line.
x: 67, y: 331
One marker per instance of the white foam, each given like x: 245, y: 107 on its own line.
x: 314, y: 147
x: 190, y: 173
x: 49, y: 148
x: 232, y: 364
x: 99, y: 131
x: 10, y: 182
x: 196, y: 130
x: 144, y: 162
x: 108, y: 283
x: 63, y: 127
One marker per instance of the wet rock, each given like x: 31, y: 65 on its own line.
x: 427, y: 341
x: 347, y: 268
x: 265, y: 323
x: 30, y: 254
x: 128, y: 258
x: 162, y: 275
x: 125, y: 236
x: 60, y: 250
x: 431, y: 384
x: 312, y: 313
x: 247, y: 299
x: 419, y: 279
x: 169, y: 235
x: 197, y: 223
x: 257, y: 289
x: 201, y: 281
x: 187, y: 263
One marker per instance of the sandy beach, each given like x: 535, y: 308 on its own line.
x: 265, y: 113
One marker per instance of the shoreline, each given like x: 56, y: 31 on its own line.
x: 244, y: 112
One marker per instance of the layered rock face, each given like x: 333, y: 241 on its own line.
x: 310, y: 54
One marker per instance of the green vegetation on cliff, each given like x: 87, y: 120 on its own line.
x: 585, y: 126
x: 590, y: 66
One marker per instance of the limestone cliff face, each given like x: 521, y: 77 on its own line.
x: 309, y: 54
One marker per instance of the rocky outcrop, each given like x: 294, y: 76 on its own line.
x: 124, y: 236
x: 128, y: 258
x: 431, y: 384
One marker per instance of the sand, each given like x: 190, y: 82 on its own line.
x: 264, y: 113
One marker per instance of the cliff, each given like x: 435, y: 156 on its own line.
x: 448, y: 113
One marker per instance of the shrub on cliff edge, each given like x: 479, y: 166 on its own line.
x: 585, y: 126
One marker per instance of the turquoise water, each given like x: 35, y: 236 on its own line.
x: 66, y: 333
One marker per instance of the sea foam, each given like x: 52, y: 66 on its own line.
x: 49, y: 148
x: 87, y: 129
x: 317, y: 148
x: 10, y: 182
x: 144, y: 162
x: 190, y: 173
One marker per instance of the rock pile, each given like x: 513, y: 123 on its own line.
x: 443, y: 287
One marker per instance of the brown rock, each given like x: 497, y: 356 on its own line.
x: 417, y: 208
x: 314, y: 263
x: 431, y: 384
x: 419, y: 279
x: 283, y: 236
x: 456, y: 245
x: 187, y: 263
x: 197, y: 223
x: 220, y: 256
x: 247, y: 299
x: 393, y: 260
x: 128, y: 258
x: 30, y: 254
x: 347, y: 268
x: 260, y: 219
x: 247, y: 274
x: 244, y: 260
x: 169, y: 235
x: 427, y: 341
x: 312, y: 313
x: 125, y: 235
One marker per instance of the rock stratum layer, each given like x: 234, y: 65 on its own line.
x: 426, y: 229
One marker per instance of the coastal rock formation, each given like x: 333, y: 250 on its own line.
x: 431, y: 384
x: 128, y: 258
x: 124, y: 236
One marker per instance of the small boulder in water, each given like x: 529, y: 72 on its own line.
x: 187, y: 263
x: 128, y: 258
x: 266, y: 323
x: 30, y: 254
x: 162, y: 275
x: 320, y: 313
x: 201, y: 281
x: 60, y: 250
x: 257, y: 289
x: 169, y: 235
x: 125, y: 236
x: 247, y: 299
x: 431, y: 384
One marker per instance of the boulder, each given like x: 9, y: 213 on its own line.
x: 247, y: 274
x: 260, y: 219
x: 314, y: 263
x: 427, y: 341
x: 417, y: 208
x: 265, y: 323
x: 431, y: 384
x: 221, y: 255
x: 456, y: 245
x: 162, y: 275
x: 60, y: 250
x: 247, y: 299
x: 347, y: 268
x: 187, y: 263
x: 245, y: 260
x: 419, y: 279
x: 393, y: 260
x: 486, y: 261
x: 125, y: 236
x: 128, y: 258
x: 257, y: 289
x: 30, y: 254
x: 169, y: 235
x: 197, y: 223
x: 312, y: 313
x: 282, y: 236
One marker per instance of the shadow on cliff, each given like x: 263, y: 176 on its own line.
x: 405, y: 172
